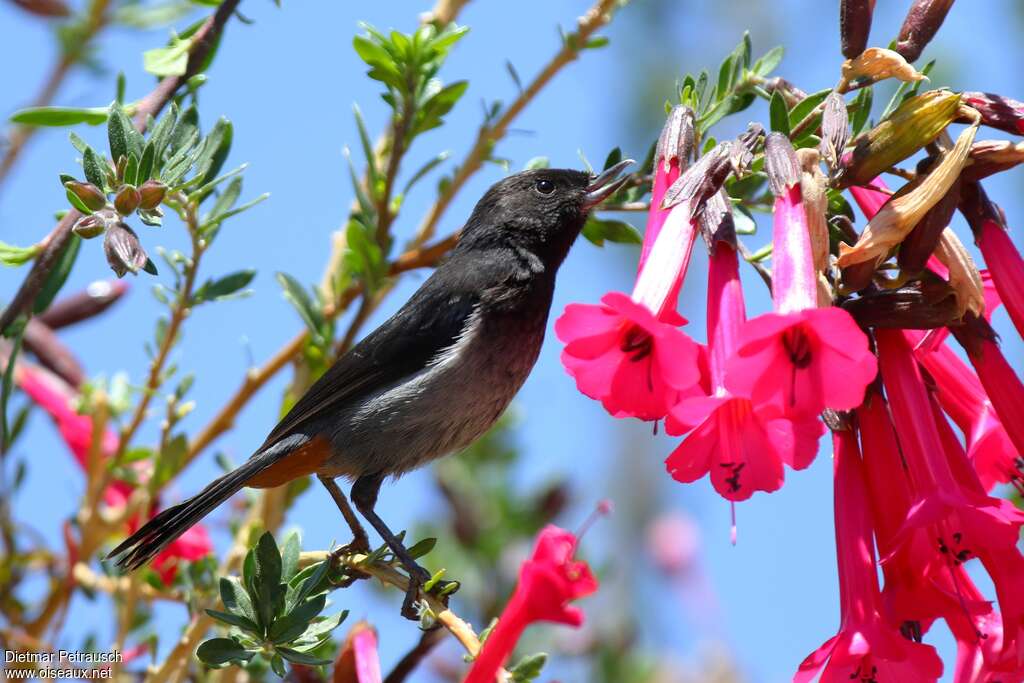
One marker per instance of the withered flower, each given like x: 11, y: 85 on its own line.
x: 123, y: 251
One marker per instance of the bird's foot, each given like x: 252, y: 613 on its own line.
x: 357, y: 546
x: 419, y: 578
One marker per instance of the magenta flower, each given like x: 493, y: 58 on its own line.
x: 795, y: 357
x: 357, y: 661
x: 548, y: 582
x: 743, y: 444
x: 1003, y: 387
x: 959, y: 391
x: 866, y: 648
x: 1006, y: 267
x: 627, y: 352
x: 621, y: 355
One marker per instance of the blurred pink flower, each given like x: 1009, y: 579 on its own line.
x: 1006, y: 267
x: 673, y: 541
x: 548, y: 582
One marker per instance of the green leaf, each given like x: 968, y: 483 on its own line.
x: 290, y: 556
x: 77, y: 142
x: 60, y: 116
x: 224, y: 287
x: 277, y: 665
x: 294, y: 623
x: 528, y: 668
x: 308, y: 582
x: 215, y: 150
x: 364, y: 140
x: 220, y: 651
x: 769, y: 61
x: 145, y: 171
x: 131, y: 170
x: 58, y: 276
x: 225, y: 200
x: 599, y: 230
x: 860, y: 110
x: 7, y: 384
x: 725, y: 71
x: 422, y: 547
x: 805, y: 106
x: 184, y: 128
x: 119, y: 133
x: 425, y: 169
x: 267, y: 578
x: 95, y: 168
x: 160, y: 134
x: 614, y: 157
x: 168, y: 61
x: 11, y: 255
x: 303, y: 303
x: 320, y: 628
x: 236, y: 620
x: 296, y: 657
x: 537, y: 162
x: 364, y: 256
x: 778, y: 113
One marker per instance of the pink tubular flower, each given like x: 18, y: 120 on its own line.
x: 962, y: 396
x: 55, y: 397
x: 741, y: 443
x: 801, y: 358
x: 548, y: 582
x: 626, y: 351
x: 949, y: 502
x: 1002, y: 385
x: 1007, y: 268
x: 866, y: 647
x: 357, y: 660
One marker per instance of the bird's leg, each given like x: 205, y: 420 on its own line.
x: 364, y: 495
x: 360, y: 542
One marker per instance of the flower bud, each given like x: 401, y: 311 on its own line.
x: 151, y: 193
x: 835, y: 131
x: 854, y: 25
x: 922, y: 22
x: 917, y: 122
x: 89, y: 226
x: 119, y: 168
x: 123, y: 251
x: 127, y: 200
x: 997, y: 111
x: 91, y: 301
x: 90, y: 195
x: 677, y: 138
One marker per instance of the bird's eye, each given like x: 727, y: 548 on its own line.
x: 545, y: 186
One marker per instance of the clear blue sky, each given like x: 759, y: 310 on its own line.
x: 288, y: 82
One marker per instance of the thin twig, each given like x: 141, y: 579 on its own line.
x: 150, y: 105
x: 414, y: 657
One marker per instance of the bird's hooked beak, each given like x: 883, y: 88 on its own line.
x: 605, y: 185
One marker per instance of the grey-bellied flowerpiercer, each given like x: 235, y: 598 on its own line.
x: 430, y: 380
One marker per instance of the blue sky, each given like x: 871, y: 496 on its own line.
x: 288, y: 83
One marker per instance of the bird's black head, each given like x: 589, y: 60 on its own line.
x: 542, y: 210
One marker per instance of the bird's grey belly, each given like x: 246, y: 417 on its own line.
x: 441, y: 409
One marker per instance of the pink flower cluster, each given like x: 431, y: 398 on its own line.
x: 747, y: 403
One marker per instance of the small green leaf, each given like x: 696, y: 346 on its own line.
x: 60, y: 116
x: 232, y: 619
x: 425, y: 169
x: 267, y: 578
x: 422, y: 548
x: 290, y: 555
x: 321, y: 628
x: 537, y: 162
x: 168, y: 61
x: 599, y: 230
x: 778, y: 113
x: 184, y: 128
x: 296, y: 657
x: 528, y: 668
x: 11, y: 255
x: 277, y: 665
x: 77, y: 203
x: 769, y: 61
x: 294, y: 623
x: 303, y: 303
x: 804, y: 107
x: 95, y: 168
x: 223, y: 287
x: 220, y: 651
x: 860, y: 110
x: 215, y: 150
x: 118, y: 133
x: 145, y: 170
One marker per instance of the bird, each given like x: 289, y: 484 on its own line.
x: 432, y: 378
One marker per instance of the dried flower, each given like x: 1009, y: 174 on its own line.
x: 89, y: 226
x: 922, y: 22
x: 916, y: 122
x: 900, y: 214
x: 963, y: 275
x: 923, y: 239
x: 876, y: 63
x: 123, y: 251
x: 835, y: 131
x: 997, y: 111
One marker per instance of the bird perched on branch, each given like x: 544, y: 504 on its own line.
x: 429, y: 381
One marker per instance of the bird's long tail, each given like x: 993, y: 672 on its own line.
x: 165, y: 527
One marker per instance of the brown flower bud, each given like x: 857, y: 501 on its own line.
x: 127, y: 200
x: 835, y: 131
x: 52, y: 353
x: 989, y: 157
x: 44, y: 8
x: 123, y: 251
x: 89, y: 226
x: 677, y: 137
x: 924, y: 237
x: 854, y: 25
x: 913, y: 125
x: 978, y: 209
x: 780, y: 163
x: 151, y: 193
x: 91, y: 301
x: 920, y: 305
x: 702, y: 180
x: 791, y: 94
x: 997, y: 111
x: 90, y: 195
x: 922, y: 22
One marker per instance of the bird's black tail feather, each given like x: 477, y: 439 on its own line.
x: 165, y: 527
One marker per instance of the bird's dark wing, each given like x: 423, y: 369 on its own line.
x: 430, y: 322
